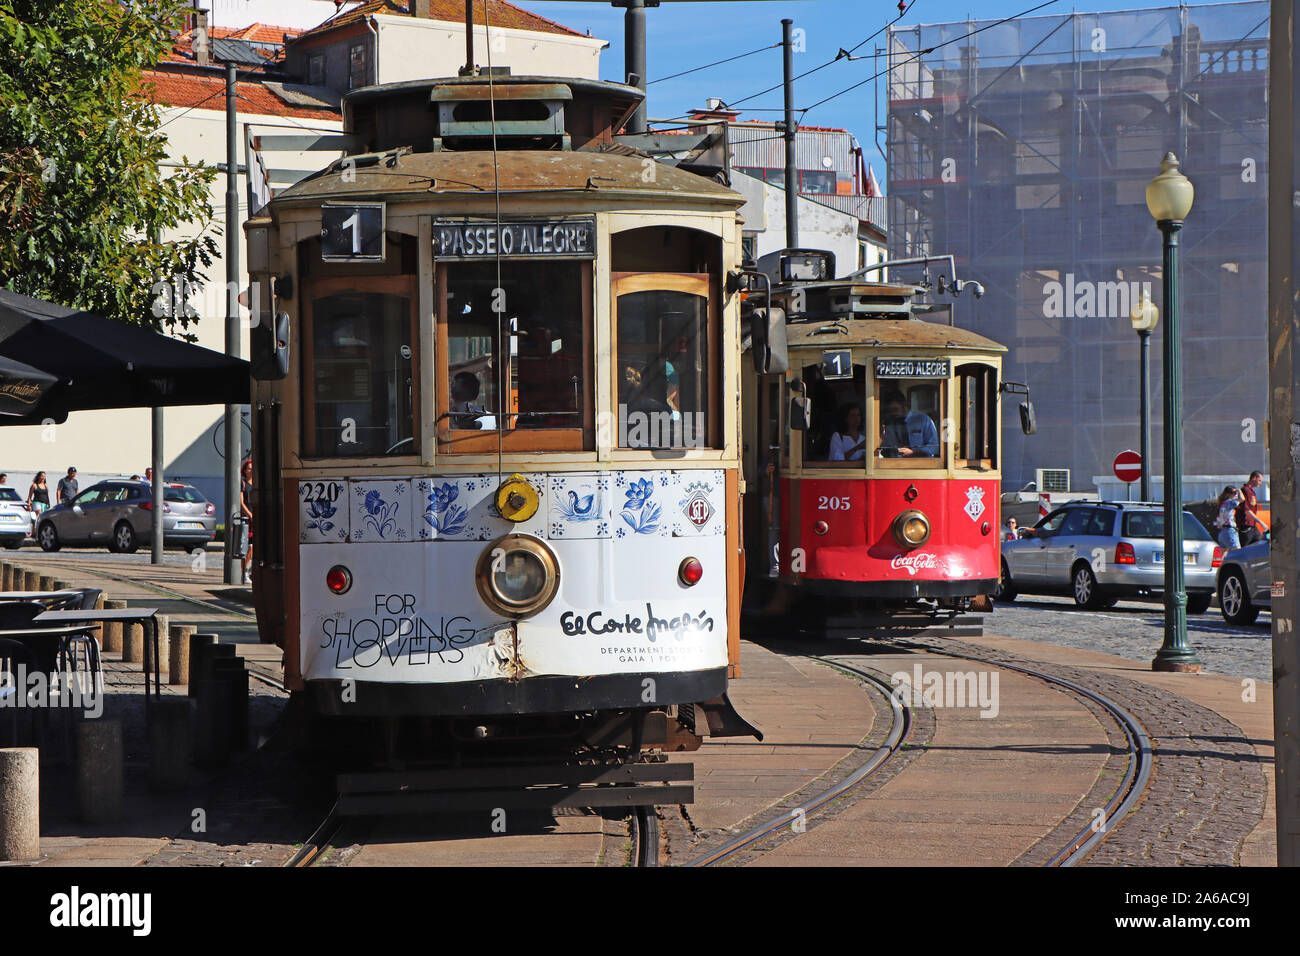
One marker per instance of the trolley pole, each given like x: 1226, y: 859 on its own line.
x: 791, y: 165
x: 232, y: 566
x: 1283, y: 424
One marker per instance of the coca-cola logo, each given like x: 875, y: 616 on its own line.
x: 918, y: 561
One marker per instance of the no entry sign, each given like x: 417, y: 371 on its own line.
x: 1128, y: 466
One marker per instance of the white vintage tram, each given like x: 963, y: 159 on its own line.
x: 496, y: 423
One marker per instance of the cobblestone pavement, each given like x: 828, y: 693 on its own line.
x: 1208, y: 789
x: 1135, y: 630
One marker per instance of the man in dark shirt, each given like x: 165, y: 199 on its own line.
x: 68, y: 487
x: 1249, y: 525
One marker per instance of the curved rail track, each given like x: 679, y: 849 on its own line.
x: 1126, y: 796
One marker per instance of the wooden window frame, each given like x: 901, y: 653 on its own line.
x: 969, y: 414
x: 691, y: 283
x: 464, y: 441
x: 395, y: 285
x: 916, y: 462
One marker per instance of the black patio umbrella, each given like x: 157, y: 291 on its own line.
x: 102, y: 363
x: 21, y: 387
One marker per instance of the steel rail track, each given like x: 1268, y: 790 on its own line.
x: 901, y: 724
x: 645, y: 836
x: 319, y: 841
x: 1137, y: 774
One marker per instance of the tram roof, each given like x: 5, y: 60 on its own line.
x: 596, y: 174
x: 892, y: 333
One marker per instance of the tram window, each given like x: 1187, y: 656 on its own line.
x: 362, y: 401
x: 908, y: 413
x: 977, y: 433
x: 837, y: 435
x: 663, y: 362
x: 517, y: 346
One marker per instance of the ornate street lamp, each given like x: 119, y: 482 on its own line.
x: 1169, y: 199
x: 1145, y: 317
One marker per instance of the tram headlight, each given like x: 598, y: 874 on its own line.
x: 911, y: 529
x: 517, y: 575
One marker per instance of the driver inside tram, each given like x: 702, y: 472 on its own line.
x: 904, y: 433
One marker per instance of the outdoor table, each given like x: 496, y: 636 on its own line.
x: 36, y: 595
x: 145, y: 615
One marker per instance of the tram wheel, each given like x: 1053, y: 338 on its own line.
x: 1005, y: 591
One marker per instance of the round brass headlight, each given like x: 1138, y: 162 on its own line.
x: 517, y: 575
x: 911, y: 529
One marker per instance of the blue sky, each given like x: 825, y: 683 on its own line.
x: 685, y: 35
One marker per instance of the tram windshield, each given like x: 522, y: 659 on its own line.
x: 837, y: 436
x: 515, y: 346
x: 908, y: 413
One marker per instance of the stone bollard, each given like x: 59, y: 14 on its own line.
x: 113, y: 629
x: 101, y: 778
x: 203, y: 648
x: 99, y: 601
x: 178, y: 660
x: 171, y: 743
x: 163, y: 656
x: 234, y: 675
x: 212, y: 740
x: 133, y: 642
x: 61, y: 585
x: 31, y: 580
x: 6, y: 577
x: 20, y: 799
x: 45, y: 582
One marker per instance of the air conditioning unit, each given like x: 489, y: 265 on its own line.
x: 1052, y: 480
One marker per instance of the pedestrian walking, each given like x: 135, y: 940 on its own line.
x: 1250, y: 528
x: 1226, y: 522
x: 245, y: 509
x: 67, y: 489
x: 38, y: 495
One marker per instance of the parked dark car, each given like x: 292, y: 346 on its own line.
x: 1245, y: 583
x: 118, y: 515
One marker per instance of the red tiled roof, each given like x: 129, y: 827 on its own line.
x: 173, y: 88
x: 498, y: 13
x: 182, y: 50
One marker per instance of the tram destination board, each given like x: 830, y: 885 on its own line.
x: 352, y: 232
x: 518, y: 238
x: 912, y: 368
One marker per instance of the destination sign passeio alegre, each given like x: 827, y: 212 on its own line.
x: 533, y: 238
x: 912, y: 368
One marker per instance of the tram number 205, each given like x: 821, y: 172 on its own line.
x: 832, y: 503
x: 321, y: 491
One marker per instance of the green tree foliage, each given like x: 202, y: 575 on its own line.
x: 81, y: 188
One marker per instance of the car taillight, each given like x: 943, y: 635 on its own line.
x: 1124, y: 553
x: 146, y: 506
x: 211, y: 509
x: 1217, y: 561
x: 338, y: 579
x: 690, y: 571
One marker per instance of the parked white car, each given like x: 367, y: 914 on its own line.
x: 15, y: 520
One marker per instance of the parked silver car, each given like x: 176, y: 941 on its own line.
x: 1245, y: 586
x: 15, y: 519
x: 118, y: 515
x: 1100, y: 551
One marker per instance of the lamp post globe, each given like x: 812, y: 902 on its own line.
x: 1169, y: 200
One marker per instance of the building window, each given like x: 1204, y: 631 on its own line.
x: 816, y: 181
x: 316, y: 69
x: 358, y: 74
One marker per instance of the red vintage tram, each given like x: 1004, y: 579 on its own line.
x: 877, y: 448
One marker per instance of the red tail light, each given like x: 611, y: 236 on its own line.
x: 690, y: 571
x: 338, y: 579
x: 1124, y: 553
x: 1218, y: 558
x: 211, y: 509
x: 146, y: 506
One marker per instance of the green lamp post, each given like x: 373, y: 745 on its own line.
x: 1145, y: 317
x: 1169, y: 199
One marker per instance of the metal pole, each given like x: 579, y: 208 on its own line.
x: 156, y: 532
x: 634, y: 57
x: 1176, y: 653
x: 1144, y: 442
x: 1283, y: 365
x: 469, y: 38
x: 232, y: 567
x: 791, y: 167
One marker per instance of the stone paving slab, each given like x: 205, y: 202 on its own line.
x: 573, y: 841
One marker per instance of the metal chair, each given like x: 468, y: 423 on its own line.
x: 12, y: 682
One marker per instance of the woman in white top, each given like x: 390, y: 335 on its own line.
x: 1225, y: 523
x: 849, y: 444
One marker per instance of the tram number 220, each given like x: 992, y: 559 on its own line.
x: 832, y: 502
x: 328, y: 491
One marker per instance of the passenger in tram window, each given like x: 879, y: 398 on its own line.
x: 849, y: 444
x: 903, y: 433
x: 464, y: 412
